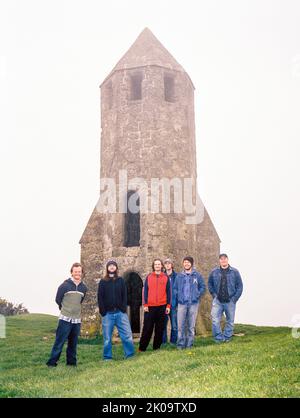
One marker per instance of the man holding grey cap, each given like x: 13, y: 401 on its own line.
x: 169, y: 268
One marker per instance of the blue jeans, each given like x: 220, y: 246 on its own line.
x: 217, y: 311
x: 174, y: 327
x: 186, y: 317
x: 65, y: 331
x: 121, y: 321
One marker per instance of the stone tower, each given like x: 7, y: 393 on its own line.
x: 147, y: 138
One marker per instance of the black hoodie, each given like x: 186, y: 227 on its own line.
x: 112, y: 295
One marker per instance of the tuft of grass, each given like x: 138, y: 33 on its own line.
x: 262, y: 363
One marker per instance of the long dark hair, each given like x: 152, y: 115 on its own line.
x: 116, y: 274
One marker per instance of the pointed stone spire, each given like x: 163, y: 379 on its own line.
x: 147, y: 50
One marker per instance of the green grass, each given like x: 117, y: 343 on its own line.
x: 263, y: 363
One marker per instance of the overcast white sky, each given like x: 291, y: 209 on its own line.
x: 244, y: 60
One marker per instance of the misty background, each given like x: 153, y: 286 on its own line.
x: 244, y: 60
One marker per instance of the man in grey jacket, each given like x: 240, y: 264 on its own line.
x: 69, y: 297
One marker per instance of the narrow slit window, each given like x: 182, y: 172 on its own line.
x: 169, y: 88
x: 132, y: 220
x: 136, y: 86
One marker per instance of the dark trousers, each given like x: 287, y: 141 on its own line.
x: 154, y: 319
x: 174, y: 327
x: 65, y: 331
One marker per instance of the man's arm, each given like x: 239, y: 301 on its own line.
x: 238, y: 287
x: 124, y: 294
x: 60, y: 294
x: 175, y: 291
x: 100, y: 298
x: 211, y: 286
x: 84, y: 293
x: 201, y: 285
x: 145, y: 293
x: 169, y: 293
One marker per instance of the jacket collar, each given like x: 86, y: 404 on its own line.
x: 161, y: 274
x: 70, y: 280
x: 190, y: 274
x: 229, y: 268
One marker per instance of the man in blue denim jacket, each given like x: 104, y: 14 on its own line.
x: 188, y: 290
x: 226, y: 286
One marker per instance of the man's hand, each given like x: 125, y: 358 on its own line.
x: 146, y: 309
x: 167, y: 311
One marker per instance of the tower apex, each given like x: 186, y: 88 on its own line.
x: 147, y: 50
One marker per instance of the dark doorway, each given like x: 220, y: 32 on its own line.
x: 134, y: 299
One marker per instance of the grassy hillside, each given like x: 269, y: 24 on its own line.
x: 265, y: 362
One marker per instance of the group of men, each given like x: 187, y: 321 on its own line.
x: 167, y: 295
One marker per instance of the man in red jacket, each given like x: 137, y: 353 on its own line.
x: 157, y: 302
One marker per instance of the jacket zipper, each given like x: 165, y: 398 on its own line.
x: 113, y: 292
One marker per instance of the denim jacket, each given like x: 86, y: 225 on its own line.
x: 197, y: 288
x: 234, y: 283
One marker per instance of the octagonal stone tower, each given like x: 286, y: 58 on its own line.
x: 147, y: 137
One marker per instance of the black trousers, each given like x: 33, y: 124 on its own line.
x: 153, y: 320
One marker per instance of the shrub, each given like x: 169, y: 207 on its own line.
x: 9, y: 309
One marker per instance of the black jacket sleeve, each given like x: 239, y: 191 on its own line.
x: 145, y: 292
x: 169, y: 292
x: 124, y: 295
x: 85, y: 289
x: 101, y: 298
x: 60, y: 294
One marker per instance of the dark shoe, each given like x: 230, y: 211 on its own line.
x: 219, y: 341
x: 51, y: 364
x: 71, y: 364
